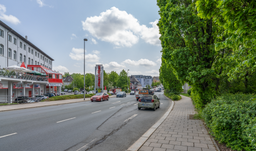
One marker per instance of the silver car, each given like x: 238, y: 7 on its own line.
x: 149, y: 102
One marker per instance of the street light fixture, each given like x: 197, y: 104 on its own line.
x: 84, y: 66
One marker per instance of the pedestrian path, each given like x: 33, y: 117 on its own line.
x: 179, y: 133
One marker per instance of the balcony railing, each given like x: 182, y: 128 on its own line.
x: 23, y: 76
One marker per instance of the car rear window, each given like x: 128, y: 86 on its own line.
x: 146, y: 98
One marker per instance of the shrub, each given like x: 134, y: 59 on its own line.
x: 231, y: 119
x: 175, y: 97
x: 189, y: 92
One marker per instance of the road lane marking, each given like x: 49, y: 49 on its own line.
x: 116, y: 102
x: 86, y: 144
x: 8, y: 135
x: 131, y: 117
x: 136, y: 104
x: 112, y: 107
x: 66, y: 120
x: 96, y: 112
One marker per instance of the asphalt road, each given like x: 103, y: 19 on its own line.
x: 96, y: 126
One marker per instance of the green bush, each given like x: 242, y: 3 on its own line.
x: 231, y: 119
x: 66, y: 97
x: 189, y: 92
x: 172, y: 95
x: 175, y: 97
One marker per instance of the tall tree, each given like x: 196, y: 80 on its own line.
x: 123, y: 80
x: 78, y: 81
x: 113, y: 77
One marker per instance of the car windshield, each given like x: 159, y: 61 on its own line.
x: 120, y: 93
x: 132, y: 91
x: 98, y: 94
x: 146, y: 98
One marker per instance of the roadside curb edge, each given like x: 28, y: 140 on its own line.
x: 137, y: 145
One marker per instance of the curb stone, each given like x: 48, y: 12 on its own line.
x: 137, y: 145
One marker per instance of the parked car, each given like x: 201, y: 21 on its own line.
x: 21, y: 99
x: 121, y: 94
x: 149, y: 102
x: 111, y: 92
x: 66, y: 90
x: 132, y: 93
x: 49, y: 94
x: 100, y: 97
x: 41, y: 97
x: 33, y: 99
x: 69, y: 91
x: 76, y: 92
x: 56, y: 94
x: 62, y: 93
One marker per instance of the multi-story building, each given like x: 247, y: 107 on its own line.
x: 144, y: 80
x: 18, y: 50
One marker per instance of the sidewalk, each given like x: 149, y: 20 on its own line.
x: 178, y: 133
x: 41, y: 104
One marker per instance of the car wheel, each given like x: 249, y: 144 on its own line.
x: 108, y: 98
x: 138, y: 108
x: 137, y: 99
x: 92, y: 100
x: 101, y: 100
x: 154, y: 108
x: 159, y: 106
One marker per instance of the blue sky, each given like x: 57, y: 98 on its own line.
x: 122, y: 34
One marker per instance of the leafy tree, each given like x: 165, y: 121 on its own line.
x: 66, y: 74
x: 113, y: 77
x: 148, y: 86
x: 78, y: 81
x: 123, y: 80
x: 88, y: 80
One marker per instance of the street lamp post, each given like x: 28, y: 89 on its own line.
x: 84, y: 66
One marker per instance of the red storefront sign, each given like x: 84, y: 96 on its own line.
x: 99, y: 76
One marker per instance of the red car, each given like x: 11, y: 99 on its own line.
x: 100, y: 97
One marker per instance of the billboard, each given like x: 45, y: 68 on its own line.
x: 99, y: 76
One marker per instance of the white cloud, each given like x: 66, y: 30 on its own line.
x: 153, y: 72
x: 40, y: 2
x: 120, y: 28
x: 113, y: 65
x: 78, y: 54
x: 94, y: 41
x: 96, y: 52
x: 73, y: 36
x: 8, y: 18
x: 141, y: 62
x: 61, y: 69
x: 159, y: 61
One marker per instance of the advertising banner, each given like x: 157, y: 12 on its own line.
x: 28, y: 86
x: 36, y: 85
x: 3, y: 84
x: 17, y: 85
x: 99, y: 76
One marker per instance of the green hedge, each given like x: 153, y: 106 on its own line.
x: 231, y: 119
x: 67, y: 97
x: 172, y: 96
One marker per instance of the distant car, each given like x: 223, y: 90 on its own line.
x: 69, y: 91
x: 76, y: 92
x: 66, y: 90
x: 111, y: 92
x: 49, y: 94
x: 149, y: 102
x: 121, y: 94
x: 41, y: 97
x: 62, y: 93
x: 100, y: 97
x: 132, y: 93
x: 21, y: 99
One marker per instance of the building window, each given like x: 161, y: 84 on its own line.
x: 32, y: 51
x: 28, y: 60
x: 20, y: 57
x: 32, y: 61
x: 1, y: 33
x: 10, y: 53
x: 10, y: 38
x: 20, y: 44
x: 24, y: 47
x: 28, y: 49
x: 60, y: 77
x: 1, y: 49
x: 14, y: 41
x: 14, y: 55
x: 41, y: 57
x: 57, y: 76
x: 38, y: 63
x: 35, y: 62
x: 24, y: 59
x: 50, y: 76
x: 38, y: 55
x: 35, y: 53
x: 53, y: 76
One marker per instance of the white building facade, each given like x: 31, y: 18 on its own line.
x: 144, y: 80
x: 15, y: 49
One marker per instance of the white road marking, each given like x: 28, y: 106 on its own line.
x: 96, y: 112
x: 136, y: 104
x: 86, y: 144
x: 8, y: 135
x: 116, y: 102
x: 161, y: 103
x: 112, y: 107
x: 66, y: 120
x: 131, y: 117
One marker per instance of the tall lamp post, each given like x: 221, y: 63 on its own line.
x: 84, y: 66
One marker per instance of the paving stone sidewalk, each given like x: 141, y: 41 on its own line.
x: 178, y: 133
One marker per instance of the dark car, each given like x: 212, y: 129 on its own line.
x: 121, y: 94
x: 100, y: 97
x: 21, y: 99
x: 132, y: 92
x: 49, y: 94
